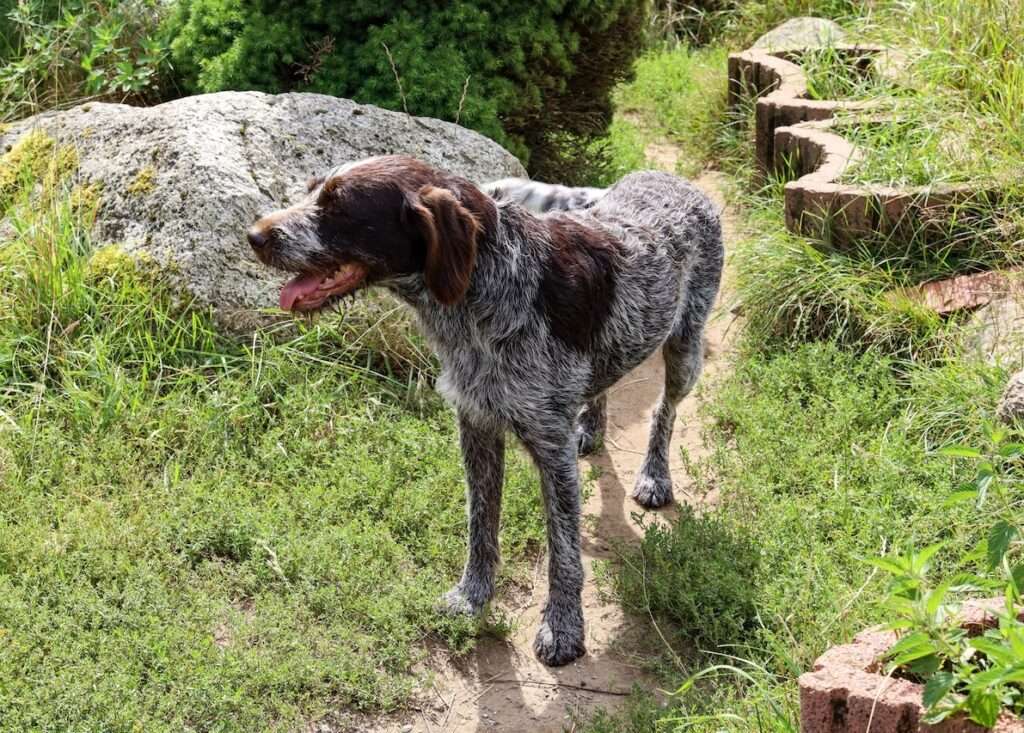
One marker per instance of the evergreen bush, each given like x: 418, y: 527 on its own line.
x: 536, y: 76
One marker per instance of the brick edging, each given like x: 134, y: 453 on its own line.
x: 847, y: 688
x: 800, y: 137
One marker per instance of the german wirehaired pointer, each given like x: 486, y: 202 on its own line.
x: 533, y: 316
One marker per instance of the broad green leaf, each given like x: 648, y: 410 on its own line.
x: 1017, y: 576
x: 994, y: 650
x: 925, y: 666
x: 933, y: 602
x: 999, y: 539
x: 1011, y: 450
x: 920, y: 560
x: 959, y: 451
x: 959, y: 497
x: 938, y: 685
x: 933, y: 717
x: 888, y: 564
x: 910, y: 648
x: 983, y: 708
x: 982, y: 484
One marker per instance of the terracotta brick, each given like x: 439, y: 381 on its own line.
x: 964, y: 292
x: 846, y: 691
x: 790, y: 127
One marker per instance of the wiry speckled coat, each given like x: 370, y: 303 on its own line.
x: 558, y: 307
x: 503, y: 369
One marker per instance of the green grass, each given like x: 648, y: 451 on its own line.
x: 823, y: 437
x: 203, y: 534
x: 833, y: 74
x: 678, y: 94
x: 822, y: 458
x: 959, y: 93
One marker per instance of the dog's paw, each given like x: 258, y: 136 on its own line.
x: 587, y: 442
x: 560, y: 636
x: 559, y: 646
x: 457, y: 603
x: 652, y: 492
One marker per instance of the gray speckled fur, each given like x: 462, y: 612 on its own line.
x: 503, y: 370
x: 543, y: 197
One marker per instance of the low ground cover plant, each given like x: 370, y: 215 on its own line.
x: 823, y: 459
x: 826, y: 437
x: 706, y: 597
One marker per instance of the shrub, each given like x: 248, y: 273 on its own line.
x: 535, y: 76
x: 698, y: 573
x: 58, y: 52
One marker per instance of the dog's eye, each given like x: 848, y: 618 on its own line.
x: 312, y: 182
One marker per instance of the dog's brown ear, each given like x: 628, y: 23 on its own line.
x: 450, y: 231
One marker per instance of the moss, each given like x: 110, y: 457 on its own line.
x: 112, y: 262
x: 35, y: 157
x: 85, y: 200
x: 59, y: 167
x: 143, y: 182
x: 23, y: 160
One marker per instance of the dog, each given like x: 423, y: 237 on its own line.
x: 533, y: 318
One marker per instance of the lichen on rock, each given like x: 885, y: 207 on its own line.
x: 143, y: 182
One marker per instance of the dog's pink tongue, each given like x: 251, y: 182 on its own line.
x: 298, y: 287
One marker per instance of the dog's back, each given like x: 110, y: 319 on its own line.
x: 683, y: 218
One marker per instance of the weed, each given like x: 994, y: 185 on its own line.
x: 978, y: 676
x: 698, y: 574
x: 822, y: 458
x: 56, y: 53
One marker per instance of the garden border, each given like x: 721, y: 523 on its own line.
x: 798, y: 137
x: 847, y: 688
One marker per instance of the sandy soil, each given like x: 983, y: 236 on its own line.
x: 501, y: 686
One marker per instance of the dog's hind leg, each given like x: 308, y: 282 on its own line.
x: 483, y: 455
x: 683, y: 354
x: 590, y: 425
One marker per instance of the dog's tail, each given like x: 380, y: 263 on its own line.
x: 542, y: 197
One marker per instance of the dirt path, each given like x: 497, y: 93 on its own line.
x: 502, y: 687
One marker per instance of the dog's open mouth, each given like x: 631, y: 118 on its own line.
x: 310, y: 292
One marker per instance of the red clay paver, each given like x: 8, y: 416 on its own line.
x: 848, y: 692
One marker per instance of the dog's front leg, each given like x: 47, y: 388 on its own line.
x: 560, y: 636
x: 483, y: 455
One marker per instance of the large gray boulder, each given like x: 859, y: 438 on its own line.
x: 183, y: 180
x: 802, y: 32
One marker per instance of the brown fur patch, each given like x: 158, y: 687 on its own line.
x: 578, y: 284
x: 450, y: 232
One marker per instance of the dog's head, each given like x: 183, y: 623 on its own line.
x: 373, y: 221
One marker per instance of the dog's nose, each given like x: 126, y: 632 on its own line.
x: 257, y: 238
